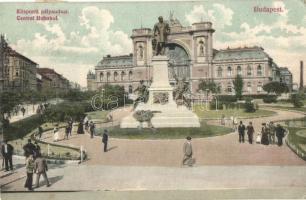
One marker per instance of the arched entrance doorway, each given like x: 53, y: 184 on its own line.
x: 179, y: 62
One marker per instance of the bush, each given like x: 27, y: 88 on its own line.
x: 249, y: 106
x: 270, y: 99
x: 21, y: 128
x: 297, y: 100
x: 226, y: 98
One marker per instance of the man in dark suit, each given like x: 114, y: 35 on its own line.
x: 29, y: 148
x: 7, y: 153
x: 241, y: 130
x: 105, y: 140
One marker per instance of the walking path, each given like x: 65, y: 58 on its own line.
x: 220, y: 150
x: 221, y: 163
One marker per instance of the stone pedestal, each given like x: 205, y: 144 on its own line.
x: 166, y: 111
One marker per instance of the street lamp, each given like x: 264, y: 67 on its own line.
x: 207, y: 90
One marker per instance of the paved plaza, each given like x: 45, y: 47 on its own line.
x: 155, y: 165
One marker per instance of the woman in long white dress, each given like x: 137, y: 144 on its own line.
x: 55, y: 134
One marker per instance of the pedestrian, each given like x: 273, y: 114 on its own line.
x: 67, y: 132
x: 55, y: 133
x: 70, y: 123
x: 258, y: 138
x: 232, y: 122
x: 91, y: 129
x: 105, y: 140
x: 223, y: 120
x: 80, y: 128
x: 268, y: 131
x: 86, y: 122
x: 30, y: 168
x: 241, y: 131
x: 29, y: 148
x: 264, y: 135
x: 250, y: 132
x: 280, y: 134
x: 187, y: 150
x: 235, y: 123
x: 272, y: 133
x: 40, y: 131
x: 7, y: 153
x: 23, y: 111
x: 36, y: 150
x: 41, y: 168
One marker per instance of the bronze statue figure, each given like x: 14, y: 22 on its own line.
x: 160, y: 32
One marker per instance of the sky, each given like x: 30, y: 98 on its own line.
x: 78, y: 40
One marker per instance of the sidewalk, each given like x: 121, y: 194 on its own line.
x: 137, y: 178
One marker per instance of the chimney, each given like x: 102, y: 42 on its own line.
x: 301, y: 75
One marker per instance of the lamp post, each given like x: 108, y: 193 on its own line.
x: 207, y: 90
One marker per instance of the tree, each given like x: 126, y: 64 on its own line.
x: 8, y: 101
x: 276, y: 87
x: 297, y: 99
x: 210, y: 85
x: 238, y: 86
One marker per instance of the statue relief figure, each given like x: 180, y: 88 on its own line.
x: 140, y: 53
x: 160, y: 32
x: 201, y: 48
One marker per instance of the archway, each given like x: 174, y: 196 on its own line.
x: 179, y: 62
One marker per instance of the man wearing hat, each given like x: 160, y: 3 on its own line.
x: 105, y: 139
x: 29, y: 148
x: 7, y: 153
x: 187, y: 149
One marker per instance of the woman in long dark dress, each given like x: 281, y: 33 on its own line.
x: 264, y: 135
x: 80, y: 128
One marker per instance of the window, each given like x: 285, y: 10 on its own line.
x: 115, y: 76
x: 259, y: 70
x: 122, y: 76
x: 239, y: 71
x: 229, y: 88
x: 130, y: 89
x: 107, y: 76
x: 259, y: 87
x: 249, y: 70
x: 101, y: 76
x: 219, y: 72
x: 130, y: 75
x: 249, y: 87
x: 229, y: 71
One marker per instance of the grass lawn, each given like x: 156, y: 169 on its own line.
x: 167, y: 133
x: 99, y: 115
x: 29, y: 126
x: 211, y: 114
x: 289, y: 107
x: 297, y: 137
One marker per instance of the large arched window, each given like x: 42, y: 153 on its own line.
x: 259, y: 70
x: 229, y: 71
x: 130, y: 75
x: 101, y: 76
x: 122, y: 76
x: 249, y: 70
x: 107, y: 76
x: 239, y: 71
x: 219, y: 72
x: 115, y: 76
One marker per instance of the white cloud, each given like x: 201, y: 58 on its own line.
x: 79, y: 49
x: 217, y: 12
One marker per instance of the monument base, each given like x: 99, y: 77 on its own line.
x: 169, y: 115
x: 161, y: 103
